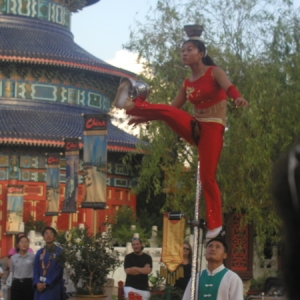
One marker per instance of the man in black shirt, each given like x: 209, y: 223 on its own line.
x: 137, y: 266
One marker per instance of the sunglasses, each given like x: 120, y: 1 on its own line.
x: 293, y: 163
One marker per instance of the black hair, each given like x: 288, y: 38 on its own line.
x: 207, y: 60
x: 17, y: 238
x: 221, y: 240
x: 21, y: 237
x: 137, y: 239
x: 20, y: 233
x: 49, y: 228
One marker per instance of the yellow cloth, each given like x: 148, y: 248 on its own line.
x: 172, y: 245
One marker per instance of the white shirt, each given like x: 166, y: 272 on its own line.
x: 231, y: 286
x: 22, y: 266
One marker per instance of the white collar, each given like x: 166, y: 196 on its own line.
x: 19, y: 255
x: 215, y: 271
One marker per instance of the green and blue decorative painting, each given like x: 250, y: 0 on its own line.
x: 22, y: 89
x: 32, y: 162
x: 41, y: 9
x: 3, y: 174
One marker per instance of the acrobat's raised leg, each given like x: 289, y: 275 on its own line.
x: 132, y: 98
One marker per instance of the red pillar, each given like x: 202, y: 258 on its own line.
x: 120, y: 290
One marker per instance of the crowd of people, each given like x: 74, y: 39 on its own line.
x: 216, y: 282
x: 35, y: 276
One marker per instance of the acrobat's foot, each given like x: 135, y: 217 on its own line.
x: 210, y: 234
x: 122, y: 99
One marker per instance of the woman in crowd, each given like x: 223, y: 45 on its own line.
x: 21, y: 267
x: 182, y: 282
x: 15, y: 249
x: 207, y: 89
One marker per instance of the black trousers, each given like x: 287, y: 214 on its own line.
x: 21, y: 289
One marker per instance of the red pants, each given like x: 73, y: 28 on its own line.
x: 209, y: 150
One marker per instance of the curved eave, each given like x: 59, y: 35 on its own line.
x: 124, y: 149
x: 61, y: 63
x: 39, y: 42
x: 59, y: 144
x: 91, y: 2
x: 40, y: 124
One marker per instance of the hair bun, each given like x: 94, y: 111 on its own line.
x: 193, y: 31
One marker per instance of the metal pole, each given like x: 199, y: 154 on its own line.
x: 196, y: 236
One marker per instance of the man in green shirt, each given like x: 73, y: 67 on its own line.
x: 216, y: 282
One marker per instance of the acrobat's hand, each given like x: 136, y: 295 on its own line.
x: 136, y: 121
x: 241, y: 102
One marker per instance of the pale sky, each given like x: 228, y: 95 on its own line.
x: 103, y: 28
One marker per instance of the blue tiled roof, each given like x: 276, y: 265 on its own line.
x: 48, y: 127
x: 30, y: 40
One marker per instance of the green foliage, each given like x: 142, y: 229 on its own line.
x: 88, y: 259
x: 124, y: 234
x: 169, y: 292
x: 147, y: 219
x: 36, y: 225
x: 121, y: 227
x: 157, y: 281
x: 258, y: 283
x: 257, y: 43
x: 123, y: 217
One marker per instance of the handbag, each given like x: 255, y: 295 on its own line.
x: 9, y: 279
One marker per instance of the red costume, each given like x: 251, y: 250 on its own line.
x: 204, y: 93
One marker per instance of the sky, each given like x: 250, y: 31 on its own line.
x: 103, y: 28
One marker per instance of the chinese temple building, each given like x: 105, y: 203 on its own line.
x: 46, y: 83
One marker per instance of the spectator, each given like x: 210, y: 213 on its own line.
x: 48, y: 273
x: 1, y: 274
x: 137, y: 266
x: 182, y: 282
x: 21, y: 267
x: 216, y: 282
x: 15, y: 249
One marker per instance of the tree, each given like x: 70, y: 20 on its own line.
x: 121, y: 226
x: 257, y: 43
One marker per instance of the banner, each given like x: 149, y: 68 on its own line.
x: 95, y: 161
x: 72, y: 169
x: 52, y: 184
x: 172, y: 245
x: 14, y: 214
